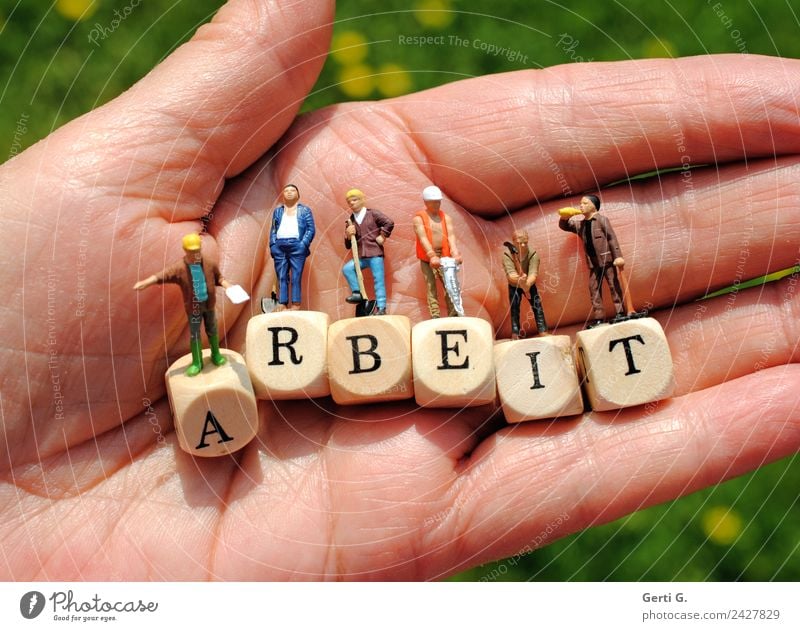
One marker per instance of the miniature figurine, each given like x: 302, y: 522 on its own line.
x: 291, y: 233
x: 435, y: 239
x: 197, y: 275
x: 370, y: 229
x: 603, y: 256
x: 521, y: 265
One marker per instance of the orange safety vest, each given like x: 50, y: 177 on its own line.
x: 426, y: 221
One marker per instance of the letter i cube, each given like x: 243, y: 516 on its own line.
x: 625, y: 364
x: 537, y: 378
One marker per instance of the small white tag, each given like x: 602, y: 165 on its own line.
x: 236, y: 294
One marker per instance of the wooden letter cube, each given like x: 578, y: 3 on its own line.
x: 625, y: 364
x: 369, y: 359
x: 452, y: 360
x: 537, y: 378
x: 215, y: 412
x: 285, y: 354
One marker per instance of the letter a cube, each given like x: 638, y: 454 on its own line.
x: 369, y: 359
x: 215, y: 412
x: 625, y: 364
x: 285, y: 354
x: 452, y: 361
x: 537, y: 378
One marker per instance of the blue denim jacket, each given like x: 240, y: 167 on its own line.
x: 305, y: 225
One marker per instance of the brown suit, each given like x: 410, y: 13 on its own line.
x: 601, y: 248
x: 178, y: 273
x: 196, y: 311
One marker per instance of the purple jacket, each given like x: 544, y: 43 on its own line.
x: 375, y: 223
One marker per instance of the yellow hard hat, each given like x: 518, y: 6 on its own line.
x: 191, y: 242
x: 354, y: 192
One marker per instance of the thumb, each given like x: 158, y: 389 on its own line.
x: 208, y: 111
x: 236, y: 86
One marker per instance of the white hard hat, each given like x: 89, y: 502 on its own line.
x: 432, y: 194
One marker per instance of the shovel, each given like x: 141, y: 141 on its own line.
x: 626, y: 297
x: 366, y: 307
x: 268, y: 305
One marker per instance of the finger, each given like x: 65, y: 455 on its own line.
x: 682, y: 234
x: 534, y: 483
x: 504, y: 141
x: 681, y: 237
x: 734, y: 335
x: 213, y: 106
x: 81, y: 199
x: 720, y: 339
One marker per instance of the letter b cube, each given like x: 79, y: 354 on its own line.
x: 369, y: 359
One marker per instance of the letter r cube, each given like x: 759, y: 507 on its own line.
x: 285, y: 354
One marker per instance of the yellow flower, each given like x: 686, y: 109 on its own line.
x: 433, y: 13
x: 658, y: 48
x: 722, y: 525
x: 356, y: 81
x: 77, y: 9
x: 393, y: 80
x: 349, y: 47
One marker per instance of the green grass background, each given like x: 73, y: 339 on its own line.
x: 745, y: 529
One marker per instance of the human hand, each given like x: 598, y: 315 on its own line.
x: 619, y: 262
x: 380, y: 239
x: 435, y: 262
x: 387, y: 491
x: 350, y: 231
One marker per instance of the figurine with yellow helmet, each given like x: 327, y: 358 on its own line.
x: 197, y: 274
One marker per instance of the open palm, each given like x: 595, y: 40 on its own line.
x: 93, y: 485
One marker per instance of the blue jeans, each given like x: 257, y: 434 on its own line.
x: 289, y: 254
x: 375, y: 264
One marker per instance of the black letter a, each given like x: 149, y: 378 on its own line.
x: 216, y: 428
